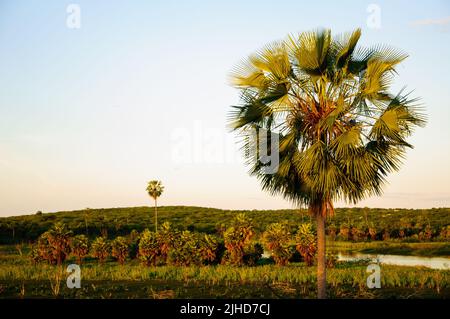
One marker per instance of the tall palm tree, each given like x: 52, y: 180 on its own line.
x: 155, y: 189
x: 340, y: 129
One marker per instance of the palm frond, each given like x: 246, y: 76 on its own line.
x: 340, y: 129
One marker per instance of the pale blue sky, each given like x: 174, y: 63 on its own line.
x: 88, y: 115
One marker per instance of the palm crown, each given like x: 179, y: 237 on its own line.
x: 155, y: 189
x: 340, y: 130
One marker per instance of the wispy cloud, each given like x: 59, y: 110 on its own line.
x: 426, y: 22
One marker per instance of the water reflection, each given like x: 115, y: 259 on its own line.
x: 430, y: 262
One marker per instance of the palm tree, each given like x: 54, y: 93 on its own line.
x: 155, y: 189
x: 340, y: 129
x: 59, y: 240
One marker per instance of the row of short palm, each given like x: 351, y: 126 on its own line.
x: 237, y: 246
x: 177, y: 248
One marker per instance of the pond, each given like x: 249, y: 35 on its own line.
x: 399, y: 260
x: 430, y: 262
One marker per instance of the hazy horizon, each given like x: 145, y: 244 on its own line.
x: 139, y: 92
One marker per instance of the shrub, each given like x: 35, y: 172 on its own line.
x: 59, y: 240
x: 148, y: 250
x: 208, y: 248
x: 43, y: 251
x: 344, y: 232
x: 332, y: 232
x: 53, y: 245
x: 35, y: 255
x: 428, y: 233
x: 120, y: 249
x: 356, y: 234
x: 165, y: 238
x: 445, y: 233
x: 185, y: 251
x: 80, y: 247
x: 296, y: 257
x: 372, y: 233
x: 221, y: 251
x: 133, y: 243
x: 101, y: 249
x: 237, y: 237
x: 277, y: 238
x: 306, y: 243
x: 252, y: 254
x: 220, y: 228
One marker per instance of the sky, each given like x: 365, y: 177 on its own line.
x: 99, y: 97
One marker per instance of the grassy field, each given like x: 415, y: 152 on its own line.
x: 19, y: 278
x: 265, y: 281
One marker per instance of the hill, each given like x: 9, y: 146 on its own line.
x: 121, y: 221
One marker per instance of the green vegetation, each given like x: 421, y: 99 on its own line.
x: 132, y: 280
x: 237, y: 239
x: 121, y: 221
x: 53, y: 245
x: 80, y: 247
x: 306, y: 243
x: 120, y: 249
x: 174, y: 263
x: 277, y: 238
x: 20, y: 278
x: 101, y: 249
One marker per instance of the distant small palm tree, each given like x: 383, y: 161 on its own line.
x: 155, y: 189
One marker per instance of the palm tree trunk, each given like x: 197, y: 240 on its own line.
x: 59, y: 258
x: 156, y: 217
x: 321, y: 266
